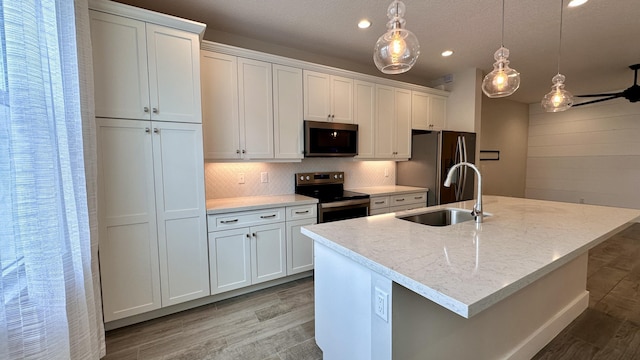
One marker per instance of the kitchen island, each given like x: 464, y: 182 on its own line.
x: 387, y: 288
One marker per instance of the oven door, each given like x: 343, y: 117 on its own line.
x: 342, y: 210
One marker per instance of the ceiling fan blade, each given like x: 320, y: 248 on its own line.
x: 599, y: 95
x: 596, y: 101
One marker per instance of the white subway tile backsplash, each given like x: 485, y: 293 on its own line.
x: 222, y: 178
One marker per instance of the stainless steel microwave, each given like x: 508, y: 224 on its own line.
x: 327, y: 139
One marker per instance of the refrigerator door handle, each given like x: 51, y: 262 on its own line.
x: 461, y: 171
x: 463, y: 183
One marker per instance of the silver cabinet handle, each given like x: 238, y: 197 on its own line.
x: 147, y: 130
x: 254, y: 235
x: 228, y: 221
x: 301, y: 212
x: 267, y: 216
x: 156, y: 130
x: 400, y: 199
x: 155, y: 110
x: 238, y: 151
x: 244, y: 151
x: 146, y: 109
x: 417, y: 197
x: 378, y: 202
x: 248, y: 235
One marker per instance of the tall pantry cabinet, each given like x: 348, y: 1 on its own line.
x: 151, y: 214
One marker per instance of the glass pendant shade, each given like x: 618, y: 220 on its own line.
x: 503, y: 80
x: 558, y: 99
x: 397, y: 50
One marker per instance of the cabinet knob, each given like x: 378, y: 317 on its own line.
x: 254, y: 235
x: 156, y: 130
x: 244, y: 151
x: 155, y: 110
x: 147, y: 130
x: 238, y: 151
x: 249, y: 236
x: 146, y: 109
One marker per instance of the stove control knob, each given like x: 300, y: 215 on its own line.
x: 301, y: 177
x: 340, y: 176
x: 308, y: 178
x: 335, y: 176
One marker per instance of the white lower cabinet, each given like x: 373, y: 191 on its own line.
x: 299, y: 247
x: 246, y: 248
x: 153, y: 248
x: 398, y: 202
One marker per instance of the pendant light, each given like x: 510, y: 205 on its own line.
x: 397, y: 50
x: 558, y: 99
x: 503, y: 80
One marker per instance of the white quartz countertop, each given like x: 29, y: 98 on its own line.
x: 218, y: 206
x: 388, y: 190
x: 468, y: 267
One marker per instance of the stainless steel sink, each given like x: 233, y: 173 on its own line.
x: 441, y: 217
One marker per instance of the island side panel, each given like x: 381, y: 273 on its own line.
x: 515, y: 328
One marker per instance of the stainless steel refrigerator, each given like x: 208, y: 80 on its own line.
x: 432, y: 155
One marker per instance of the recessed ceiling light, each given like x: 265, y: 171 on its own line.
x: 575, y: 3
x: 447, y: 53
x: 364, y: 23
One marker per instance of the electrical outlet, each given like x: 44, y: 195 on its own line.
x: 264, y: 177
x: 381, y: 304
x: 240, y: 178
x: 386, y: 172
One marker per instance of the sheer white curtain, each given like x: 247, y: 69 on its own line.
x: 49, y: 298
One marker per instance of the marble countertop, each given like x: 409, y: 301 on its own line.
x: 218, y: 206
x: 468, y: 267
x: 388, y: 190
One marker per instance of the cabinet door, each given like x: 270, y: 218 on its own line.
x: 230, y: 259
x: 287, y: 112
x: 129, y: 269
x: 341, y: 99
x: 438, y: 111
x: 317, y: 96
x: 403, y: 124
x: 385, y: 122
x: 420, y: 111
x: 220, y: 106
x: 268, y: 252
x: 299, y: 247
x: 181, y: 212
x: 255, y: 94
x: 121, y: 80
x: 174, y: 80
x: 364, y: 116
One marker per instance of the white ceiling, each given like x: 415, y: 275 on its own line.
x: 600, y: 39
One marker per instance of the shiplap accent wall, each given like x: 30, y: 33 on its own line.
x: 587, y: 154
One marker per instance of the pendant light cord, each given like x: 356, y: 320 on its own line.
x: 502, y: 41
x: 560, y: 38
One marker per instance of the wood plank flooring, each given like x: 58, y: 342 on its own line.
x: 278, y: 323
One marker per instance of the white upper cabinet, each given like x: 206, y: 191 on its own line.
x: 144, y: 71
x: 287, y: 112
x: 393, y: 123
x: 364, y: 114
x: 428, y: 111
x: 255, y: 95
x: 252, y: 110
x: 328, y: 97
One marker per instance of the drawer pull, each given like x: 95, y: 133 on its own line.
x: 302, y: 212
x: 418, y: 197
x: 267, y: 216
x: 378, y: 202
x: 228, y: 221
x: 400, y: 199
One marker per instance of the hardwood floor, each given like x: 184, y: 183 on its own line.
x: 278, y: 323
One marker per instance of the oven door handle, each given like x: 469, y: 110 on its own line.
x: 335, y: 204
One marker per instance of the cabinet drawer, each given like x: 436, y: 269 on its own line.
x: 235, y: 220
x: 378, y: 211
x: 379, y: 202
x: 405, y: 207
x: 411, y: 198
x: 309, y: 211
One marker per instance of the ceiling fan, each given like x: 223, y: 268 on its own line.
x: 632, y: 93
